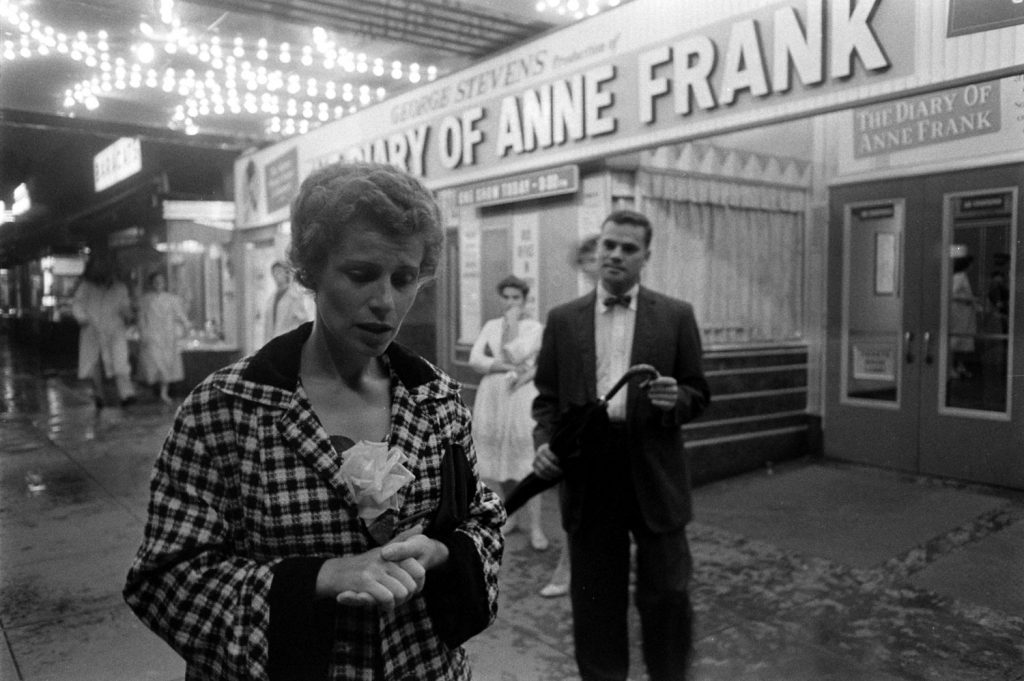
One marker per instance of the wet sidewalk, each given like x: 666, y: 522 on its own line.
x: 819, y: 571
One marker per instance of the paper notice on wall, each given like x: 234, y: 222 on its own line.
x: 470, y: 305
x: 525, y: 253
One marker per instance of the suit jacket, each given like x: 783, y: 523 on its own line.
x: 666, y: 337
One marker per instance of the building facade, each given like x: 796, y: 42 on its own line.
x: 835, y: 186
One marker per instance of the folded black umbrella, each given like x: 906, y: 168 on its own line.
x: 575, y: 425
x: 458, y: 488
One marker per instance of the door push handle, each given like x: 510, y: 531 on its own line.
x: 908, y: 339
x: 926, y: 340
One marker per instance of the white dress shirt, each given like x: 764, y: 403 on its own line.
x: 613, y: 341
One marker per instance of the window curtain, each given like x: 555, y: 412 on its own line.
x: 733, y: 250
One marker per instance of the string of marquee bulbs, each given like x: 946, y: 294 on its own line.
x: 577, y: 9
x: 223, y: 77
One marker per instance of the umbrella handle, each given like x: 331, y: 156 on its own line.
x: 635, y: 370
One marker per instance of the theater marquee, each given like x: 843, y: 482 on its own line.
x: 647, y: 73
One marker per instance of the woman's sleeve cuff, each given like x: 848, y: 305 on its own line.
x: 456, y: 593
x: 301, y: 632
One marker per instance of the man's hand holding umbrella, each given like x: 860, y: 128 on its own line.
x: 575, y: 423
x: 545, y: 464
x: 662, y: 391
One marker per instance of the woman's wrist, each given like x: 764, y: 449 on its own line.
x: 439, y: 554
x: 324, y: 589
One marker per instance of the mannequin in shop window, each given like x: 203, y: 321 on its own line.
x: 102, y: 307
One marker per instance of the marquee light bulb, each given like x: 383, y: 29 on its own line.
x: 220, y: 57
x: 145, y: 52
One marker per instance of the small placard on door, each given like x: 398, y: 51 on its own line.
x: 874, y: 361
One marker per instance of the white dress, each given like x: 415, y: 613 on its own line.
x: 160, y: 317
x: 502, y: 421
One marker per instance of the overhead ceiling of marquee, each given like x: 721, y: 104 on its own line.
x: 202, y: 80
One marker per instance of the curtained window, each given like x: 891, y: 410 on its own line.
x: 735, y: 250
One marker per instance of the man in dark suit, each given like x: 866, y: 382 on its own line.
x: 634, y: 478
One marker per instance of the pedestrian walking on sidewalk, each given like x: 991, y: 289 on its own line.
x: 162, y: 321
x: 632, y: 479
x: 102, y: 307
x: 315, y: 512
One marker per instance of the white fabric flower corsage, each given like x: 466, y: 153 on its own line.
x: 374, y: 475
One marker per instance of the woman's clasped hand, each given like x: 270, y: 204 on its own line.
x: 384, y: 577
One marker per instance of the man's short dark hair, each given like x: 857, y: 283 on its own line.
x: 624, y: 216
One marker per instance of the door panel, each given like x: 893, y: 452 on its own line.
x: 872, y: 405
x: 922, y: 346
x: 495, y: 253
x: 971, y: 423
x: 873, y: 303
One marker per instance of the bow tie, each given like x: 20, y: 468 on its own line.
x: 623, y: 300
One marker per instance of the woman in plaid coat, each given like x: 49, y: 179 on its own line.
x: 316, y: 512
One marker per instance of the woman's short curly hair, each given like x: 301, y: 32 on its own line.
x: 340, y: 194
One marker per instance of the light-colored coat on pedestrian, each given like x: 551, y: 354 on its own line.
x: 101, y: 313
x: 162, y: 321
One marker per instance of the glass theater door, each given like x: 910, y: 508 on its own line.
x: 971, y: 423
x: 872, y: 414
x: 923, y: 313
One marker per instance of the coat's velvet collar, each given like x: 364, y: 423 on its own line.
x: 277, y: 363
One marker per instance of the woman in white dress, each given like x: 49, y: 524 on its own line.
x: 505, y: 353
x: 162, y: 320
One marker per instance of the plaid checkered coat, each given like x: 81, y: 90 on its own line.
x: 246, y: 504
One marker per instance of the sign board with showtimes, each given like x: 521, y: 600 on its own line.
x: 524, y: 187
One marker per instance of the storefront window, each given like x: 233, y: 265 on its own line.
x: 197, y: 271
x: 60, y: 277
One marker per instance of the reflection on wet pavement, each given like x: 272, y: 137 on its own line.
x: 819, y: 571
